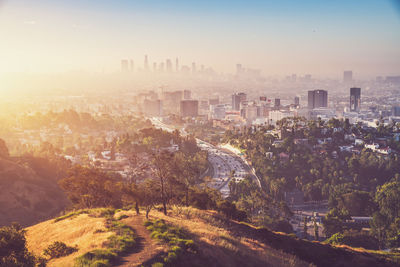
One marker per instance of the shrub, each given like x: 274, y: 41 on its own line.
x: 123, y: 239
x: 354, y: 239
x: 70, y: 215
x: 13, y: 251
x: 58, y: 249
x: 123, y: 216
x: 171, y: 257
x: 98, y: 257
x: 157, y: 264
x: 230, y: 210
x: 175, y: 237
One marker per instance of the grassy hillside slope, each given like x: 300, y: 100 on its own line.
x: 25, y: 196
x: 84, y: 231
x: 215, y: 241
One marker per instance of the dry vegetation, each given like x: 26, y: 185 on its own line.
x: 84, y: 231
x: 217, y: 242
x: 217, y: 246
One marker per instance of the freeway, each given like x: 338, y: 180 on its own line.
x: 225, y: 164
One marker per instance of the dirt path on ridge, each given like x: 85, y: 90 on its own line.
x: 146, y: 249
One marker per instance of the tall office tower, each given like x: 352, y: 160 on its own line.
x: 355, y: 99
x: 187, y: 94
x: 307, y: 77
x: 152, y: 107
x: 124, y: 65
x: 296, y: 101
x: 146, y: 63
x: 132, y: 65
x: 294, y: 78
x: 189, y: 108
x: 213, y: 101
x: 277, y: 102
x: 168, y: 65
x: 177, y: 65
x: 239, y: 69
x: 154, y: 67
x: 193, y: 67
x: 161, y: 67
x: 396, y: 111
x: 237, y: 99
x: 317, y: 99
x: 347, y: 76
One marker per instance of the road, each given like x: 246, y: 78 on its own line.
x: 225, y: 164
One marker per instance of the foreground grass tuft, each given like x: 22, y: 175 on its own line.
x: 175, y: 237
x: 117, y: 244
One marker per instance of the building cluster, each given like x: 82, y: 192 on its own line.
x: 167, y: 66
x: 171, y: 102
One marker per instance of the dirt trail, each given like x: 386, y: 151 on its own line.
x: 146, y: 249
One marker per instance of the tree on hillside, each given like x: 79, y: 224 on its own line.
x: 162, y: 169
x: 90, y: 188
x: 150, y: 195
x: 13, y: 251
x: 3, y: 149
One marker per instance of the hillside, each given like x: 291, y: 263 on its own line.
x: 188, y: 237
x: 26, y: 196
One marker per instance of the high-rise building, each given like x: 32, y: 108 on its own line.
x: 213, y: 101
x: 393, y: 79
x: 239, y: 69
x: 152, y: 107
x: 307, y: 77
x: 177, y: 65
x: 347, y: 76
x: 168, y: 65
x: 189, y: 108
x: 146, y: 63
x: 355, y: 99
x: 132, y: 65
x: 124, y: 65
x: 154, y: 66
x: 171, y: 101
x: 187, y: 94
x: 317, y: 99
x: 237, y: 99
x: 194, y: 67
x: 277, y: 102
x: 297, y: 101
x: 217, y: 112
x: 161, y: 67
x: 396, y: 111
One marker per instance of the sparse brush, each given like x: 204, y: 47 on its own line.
x: 71, y: 215
x: 58, y: 249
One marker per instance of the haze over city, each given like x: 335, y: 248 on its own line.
x: 171, y: 133
x: 278, y: 37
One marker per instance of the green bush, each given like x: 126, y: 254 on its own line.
x: 123, y: 216
x: 123, y: 239
x: 175, y: 237
x: 70, y: 215
x: 171, y: 257
x: 157, y: 264
x: 58, y: 249
x: 98, y: 257
x: 354, y: 239
x: 13, y: 251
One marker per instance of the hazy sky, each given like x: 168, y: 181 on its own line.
x: 280, y: 37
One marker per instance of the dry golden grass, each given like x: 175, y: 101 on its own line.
x: 79, y: 230
x: 216, y: 242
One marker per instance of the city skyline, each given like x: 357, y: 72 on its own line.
x: 278, y: 38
